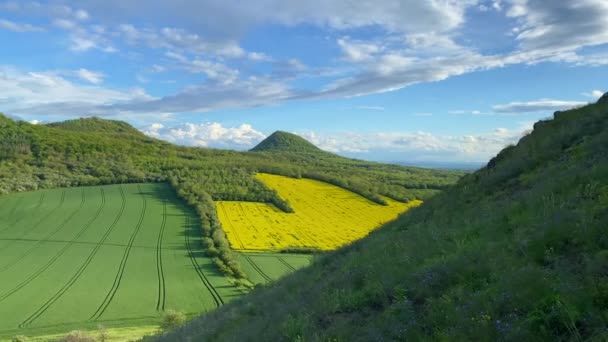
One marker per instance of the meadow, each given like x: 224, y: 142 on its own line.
x: 325, y: 216
x: 117, y: 255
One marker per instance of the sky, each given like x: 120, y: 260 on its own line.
x: 385, y: 80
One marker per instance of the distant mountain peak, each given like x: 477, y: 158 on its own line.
x: 286, y: 142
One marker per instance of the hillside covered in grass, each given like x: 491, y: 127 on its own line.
x: 517, y: 251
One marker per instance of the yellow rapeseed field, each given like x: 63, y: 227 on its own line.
x: 326, y: 216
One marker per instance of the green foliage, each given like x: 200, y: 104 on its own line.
x: 172, y: 319
x: 97, y: 125
x: 19, y: 338
x: 287, y: 142
x: 95, y: 151
x: 513, y: 252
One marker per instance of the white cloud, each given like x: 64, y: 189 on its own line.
x: 259, y: 57
x: 158, y: 68
x: 418, y: 145
x: 90, y: 76
x: 594, y: 94
x: 380, y: 108
x: 211, y: 134
x: 47, y: 93
x: 81, y: 15
x: 357, y: 51
x: 19, y: 27
x: 543, y: 105
x: 212, y: 95
x: 214, y: 71
x: 65, y: 24
x: 560, y: 25
x: 410, y: 42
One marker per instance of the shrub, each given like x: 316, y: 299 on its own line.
x: 172, y: 319
x: 77, y: 336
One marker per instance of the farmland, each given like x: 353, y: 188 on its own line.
x: 115, y: 255
x: 325, y: 218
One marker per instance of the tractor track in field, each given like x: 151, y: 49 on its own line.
x: 286, y: 263
x: 160, y: 302
x: 17, y: 205
x: 12, y: 212
x: 45, y: 217
x: 28, y: 321
x: 123, y: 263
x: 56, y: 256
x: 216, y: 296
x: 257, y: 268
x: 59, y: 227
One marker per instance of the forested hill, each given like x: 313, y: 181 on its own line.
x: 98, y: 151
x: 96, y: 125
x: 517, y: 251
x: 286, y: 142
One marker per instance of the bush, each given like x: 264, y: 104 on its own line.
x: 77, y: 336
x: 172, y: 319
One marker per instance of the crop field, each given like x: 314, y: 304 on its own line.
x: 326, y: 217
x: 114, y: 255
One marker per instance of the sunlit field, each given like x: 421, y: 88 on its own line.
x: 116, y: 255
x: 326, y: 216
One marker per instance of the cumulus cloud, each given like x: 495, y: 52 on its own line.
x: 211, y: 134
x: 544, y: 105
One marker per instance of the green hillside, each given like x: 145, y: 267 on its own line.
x: 286, y: 142
x: 96, y: 125
x: 517, y: 251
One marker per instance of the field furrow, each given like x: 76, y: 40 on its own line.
x: 123, y: 263
x: 216, y: 297
x: 30, y: 319
x: 160, y: 303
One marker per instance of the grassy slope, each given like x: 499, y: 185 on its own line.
x: 516, y: 251
x: 47, y: 237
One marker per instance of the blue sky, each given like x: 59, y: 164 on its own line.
x: 386, y: 80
